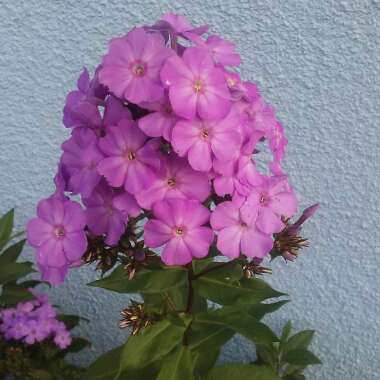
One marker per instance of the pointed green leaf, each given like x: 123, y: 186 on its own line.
x: 259, y: 310
x: 78, y: 344
x: 204, y: 360
x: 105, y: 367
x: 204, y: 335
x: 240, y: 322
x: 241, y: 372
x: 151, y: 344
x: 200, y: 265
x: 12, y: 253
x: 223, y: 292
x: 300, y: 340
x: 300, y: 357
x: 145, y: 281
x: 285, y: 334
x: 178, y: 366
x: 12, y: 294
x: 6, y: 227
x: 14, y: 271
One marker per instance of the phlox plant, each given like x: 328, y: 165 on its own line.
x: 34, y: 336
x: 159, y: 186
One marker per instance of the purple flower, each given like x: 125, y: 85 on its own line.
x: 107, y: 212
x: 33, y: 332
x: 130, y: 162
x: 79, y: 111
x: 132, y: 66
x: 115, y: 111
x: 222, y: 51
x: 236, y: 235
x: 268, y: 202
x: 178, y: 180
x: 58, y: 235
x: 80, y: 158
x: 306, y: 214
x: 202, y: 141
x: 196, y: 86
x: 179, y: 226
x: 173, y: 26
x: 62, y: 339
x: 161, y: 121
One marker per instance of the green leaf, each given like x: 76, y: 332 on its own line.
x: 14, y: 271
x: 300, y: 340
x: 241, y: 372
x: 200, y: 265
x: 105, y: 367
x: 300, y: 357
x: 203, y: 335
x: 295, y: 376
x: 146, y: 281
x: 39, y: 374
x: 204, y: 360
x: 151, y: 344
x: 178, y: 366
x: 69, y: 320
x: 285, y: 334
x: 259, y: 310
x: 78, y: 344
x: 12, y: 253
x: 6, y: 227
x: 12, y: 294
x: 223, y: 292
x: 241, y: 323
x: 267, y: 354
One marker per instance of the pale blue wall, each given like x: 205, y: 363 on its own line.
x: 316, y: 62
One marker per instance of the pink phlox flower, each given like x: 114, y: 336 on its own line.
x: 115, y: 111
x: 79, y: 111
x: 222, y: 51
x: 58, y: 235
x: 130, y: 161
x: 277, y: 145
x: 196, y: 86
x: 131, y: 69
x: 268, y: 203
x: 178, y: 225
x: 204, y: 141
x: 172, y: 26
x: 295, y: 227
x: 160, y: 122
x: 80, y: 158
x: 235, y: 235
x: 107, y: 212
x: 177, y: 180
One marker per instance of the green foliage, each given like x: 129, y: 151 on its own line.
x: 40, y: 361
x: 196, y: 310
x: 291, y: 356
x: 242, y: 372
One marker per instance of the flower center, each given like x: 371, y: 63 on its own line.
x: 171, y: 182
x: 139, y: 69
x: 59, y: 232
x: 198, y: 86
x: 205, y: 134
x: 231, y: 82
x: 130, y: 156
x: 264, y: 199
x: 179, y: 231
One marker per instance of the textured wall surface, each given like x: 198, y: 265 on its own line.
x: 317, y: 61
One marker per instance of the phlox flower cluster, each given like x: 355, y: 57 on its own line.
x: 34, y: 321
x: 166, y: 125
